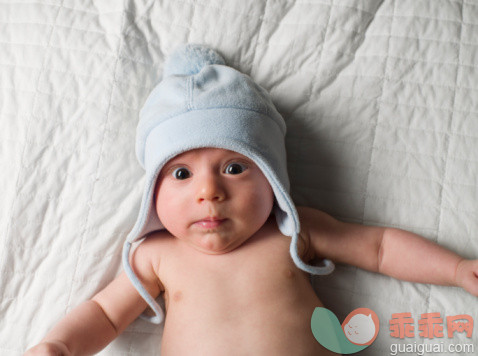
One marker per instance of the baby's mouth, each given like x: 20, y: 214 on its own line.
x: 210, y: 222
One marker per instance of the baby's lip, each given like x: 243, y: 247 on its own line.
x: 211, y: 218
x: 210, y: 222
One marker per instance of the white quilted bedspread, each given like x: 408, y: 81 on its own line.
x: 381, y: 101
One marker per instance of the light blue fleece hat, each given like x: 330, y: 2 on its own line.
x: 201, y: 102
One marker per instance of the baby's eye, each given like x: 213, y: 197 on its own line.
x: 235, y: 168
x: 181, y: 173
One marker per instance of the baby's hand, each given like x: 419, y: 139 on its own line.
x: 48, y: 349
x: 467, y: 276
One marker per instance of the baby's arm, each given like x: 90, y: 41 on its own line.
x: 390, y: 251
x: 95, y: 323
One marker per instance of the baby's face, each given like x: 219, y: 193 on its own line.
x: 213, y: 199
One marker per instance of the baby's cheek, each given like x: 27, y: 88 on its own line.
x: 169, y: 212
x: 263, y: 197
x: 259, y: 207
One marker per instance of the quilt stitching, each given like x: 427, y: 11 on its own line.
x: 371, y: 56
x: 299, y: 148
x: 314, y: 81
x: 294, y: 69
x: 449, y: 138
x: 377, y: 119
x: 289, y: 62
x: 23, y: 154
x: 420, y: 17
x: 285, y: 44
x: 259, y: 32
x: 436, y: 85
x: 395, y: 103
x: 242, y: 14
x: 407, y: 202
x: 379, y: 174
x: 69, y: 27
x: 219, y: 8
x: 55, y: 4
x: 84, y: 229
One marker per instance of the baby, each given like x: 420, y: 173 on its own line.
x: 219, y: 236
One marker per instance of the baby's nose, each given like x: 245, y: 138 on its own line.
x: 210, y: 189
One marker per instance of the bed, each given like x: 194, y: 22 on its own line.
x: 381, y: 103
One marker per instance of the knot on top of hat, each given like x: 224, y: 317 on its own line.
x: 190, y: 59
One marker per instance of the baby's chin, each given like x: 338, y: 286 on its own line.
x: 213, y: 244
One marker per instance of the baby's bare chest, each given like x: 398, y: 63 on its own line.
x: 260, y: 267
x: 251, y: 296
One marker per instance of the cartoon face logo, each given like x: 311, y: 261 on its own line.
x: 360, y: 329
x: 357, y: 332
x: 361, y: 326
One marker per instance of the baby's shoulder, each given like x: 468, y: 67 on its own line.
x: 154, y: 245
